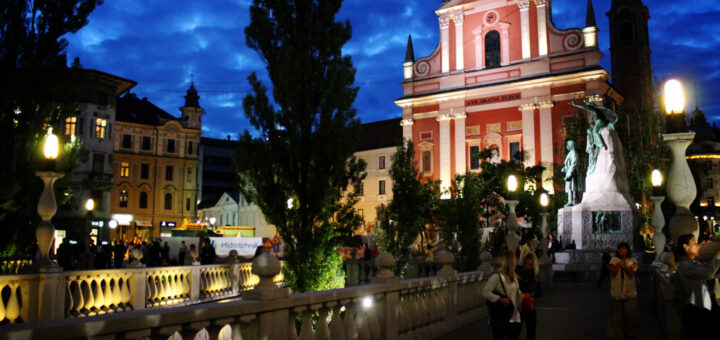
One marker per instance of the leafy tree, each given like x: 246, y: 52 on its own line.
x: 37, y: 89
x: 403, y: 220
x: 460, y: 220
x: 299, y: 168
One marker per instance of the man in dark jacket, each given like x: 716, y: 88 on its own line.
x: 119, y: 253
x: 207, y: 252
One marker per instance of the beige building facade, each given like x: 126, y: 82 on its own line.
x: 155, y: 167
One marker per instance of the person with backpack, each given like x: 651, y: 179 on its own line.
x: 503, y: 295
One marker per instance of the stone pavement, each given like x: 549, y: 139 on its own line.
x: 572, y: 311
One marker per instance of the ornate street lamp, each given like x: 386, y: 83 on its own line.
x: 87, y: 256
x: 681, y: 188
x: 512, y: 239
x: 658, y: 221
x: 47, y: 206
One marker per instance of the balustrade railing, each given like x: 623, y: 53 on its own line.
x: 422, y: 308
x: 52, y: 296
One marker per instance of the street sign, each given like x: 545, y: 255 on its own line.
x: 276, y: 248
x: 267, y: 244
x: 276, y: 240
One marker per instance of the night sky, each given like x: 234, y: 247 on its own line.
x: 160, y: 44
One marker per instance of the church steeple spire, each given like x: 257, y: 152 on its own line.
x: 191, y: 98
x: 410, y: 52
x: 590, y: 16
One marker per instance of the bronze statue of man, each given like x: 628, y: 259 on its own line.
x: 571, y: 174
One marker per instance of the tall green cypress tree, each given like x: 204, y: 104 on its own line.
x: 300, y: 169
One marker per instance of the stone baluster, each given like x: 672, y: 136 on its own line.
x: 336, y: 323
x: 306, y: 332
x: 266, y: 267
x: 349, y: 324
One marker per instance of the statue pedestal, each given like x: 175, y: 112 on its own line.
x: 596, y: 229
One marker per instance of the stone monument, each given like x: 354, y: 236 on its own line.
x: 606, y: 215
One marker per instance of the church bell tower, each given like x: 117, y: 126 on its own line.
x: 192, y: 112
x: 630, y: 52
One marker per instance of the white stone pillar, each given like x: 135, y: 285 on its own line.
x: 459, y: 42
x: 445, y: 43
x: 528, y: 133
x: 525, y: 27
x: 407, y: 128
x: 542, y: 27
x: 460, y: 143
x: 445, y: 176
x: 546, y: 144
x: 479, y: 49
x: 505, y: 43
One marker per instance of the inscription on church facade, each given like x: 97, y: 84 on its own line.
x: 492, y: 100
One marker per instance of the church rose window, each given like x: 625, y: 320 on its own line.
x: 492, y: 49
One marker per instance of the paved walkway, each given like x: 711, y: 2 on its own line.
x: 574, y: 311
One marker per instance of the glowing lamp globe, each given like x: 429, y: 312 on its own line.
x: 512, y: 183
x: 51, y: 147
x: 544, y: 199
x: 290, y: 203
x: 112, y: 224
x: 90, y: 204
x: 674, y: 97
x: 656, y: 178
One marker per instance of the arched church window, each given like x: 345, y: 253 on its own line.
x: 492, y: 49
x: 625, y: 36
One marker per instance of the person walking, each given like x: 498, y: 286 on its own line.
x: 182, y: 253
x: 207, y: 252
x: 528, y: 274
x: 502, y: 291
x: 119, y: 253
x: 622, y: 322
x: 693, y: 276
x: 165, y: 254
x: 605, y: 267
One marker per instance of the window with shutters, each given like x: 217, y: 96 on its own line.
x: 381, y: 188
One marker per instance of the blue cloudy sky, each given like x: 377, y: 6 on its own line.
x: 160, y: 43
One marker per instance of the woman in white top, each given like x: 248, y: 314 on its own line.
x: 503, y: 288
x: 622, y: 322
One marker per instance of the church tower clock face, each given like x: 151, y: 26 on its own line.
x: 491, y: 18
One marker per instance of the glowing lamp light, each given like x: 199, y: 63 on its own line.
x: 112, y: 224
x: 90, y: 204
x: 51, y: 147
x: 674, y: 97
x: 290, y: 203
x: 367, y: 302
x: 656, y: 178
x: 212, y: 220
x: 512, y: 183
x: 544, y: 199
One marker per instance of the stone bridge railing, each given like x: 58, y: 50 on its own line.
x: 53, y: 296
x: 423, y: 308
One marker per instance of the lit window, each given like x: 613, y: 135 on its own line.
x: 100, y: 126
x: 70, y: 123
x: 123, y: 199
x: 124, y: 169
x: 381, y: 188
x: 381, y: 162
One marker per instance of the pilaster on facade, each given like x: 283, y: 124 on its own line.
x: 541, y: 6
x: 525, y: 27
x: 445, y: 43
x: 445, y: 175
x: 528, y: 133
x: 458, y: 19
x: 460, y: 162
x: 407, y: 127
x: 546, y: 144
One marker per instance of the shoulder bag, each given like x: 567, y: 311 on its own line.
x: 497, y: 310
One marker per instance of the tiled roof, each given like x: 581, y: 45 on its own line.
x: 141, y: 111
x: 381, y: 134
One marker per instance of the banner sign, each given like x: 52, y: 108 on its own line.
x: 245, y: 246
x: 494, y: 99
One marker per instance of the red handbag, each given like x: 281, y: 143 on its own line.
x: 527, y: 302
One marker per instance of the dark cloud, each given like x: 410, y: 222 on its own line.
x: 160, y: 44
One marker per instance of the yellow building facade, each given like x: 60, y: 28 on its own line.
x: 155, y: 167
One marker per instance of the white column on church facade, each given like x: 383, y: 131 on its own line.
x: 445, y: 176
x: 407, y: 127
x: 542, y: 27
x: 460, y: 164
x: 479, y: 47
x: 546, y: 144
x: 528, y: 132
x: 459, y: 41
x: 445, y: 43
x: 525, y: 27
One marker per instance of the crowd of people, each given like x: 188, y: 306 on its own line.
x: 117, y: 254
x: 511, y: 291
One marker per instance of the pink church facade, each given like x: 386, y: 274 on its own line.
x: 501, y: 77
